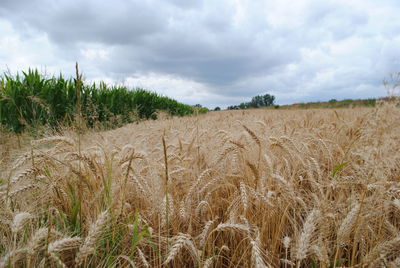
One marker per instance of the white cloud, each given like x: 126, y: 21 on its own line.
x: 95, y: 53
x: 18, y: 52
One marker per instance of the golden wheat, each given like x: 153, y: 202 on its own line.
x: 260, y: 188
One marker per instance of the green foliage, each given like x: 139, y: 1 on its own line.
x: 233, y: 107
x: 369, y: 102
x: 338, y: 168
x: 203, y: 110
x: 139, y: 232
x: 33, y: 100
x: 244, y: 105
x: 262, y: 101
x: 333, y: 103
x: 217, y: 108
x: 199, y: 109
x: 256, y: 102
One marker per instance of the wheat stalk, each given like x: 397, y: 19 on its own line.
x: 220, y: 194
x: 286, y: 244
x: 382, y: 250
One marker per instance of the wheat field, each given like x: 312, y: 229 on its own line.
x: 253, y: 188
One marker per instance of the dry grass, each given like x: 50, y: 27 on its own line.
x: 254, y: 188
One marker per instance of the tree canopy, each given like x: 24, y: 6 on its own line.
x: 256, y: 102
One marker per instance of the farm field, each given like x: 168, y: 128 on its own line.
x: 248, y: 188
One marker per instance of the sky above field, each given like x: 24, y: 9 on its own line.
x: 215, y: 53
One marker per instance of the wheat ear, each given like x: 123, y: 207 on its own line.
x: 204, y: 233
x: 208, y: 262
x: 56, y: 139
x: 253, y: 135
x: 347, y: 225
x: 235, y: 227
x: 19, y: 221
x: 243, y: 196
x: 37, y: 240
x: 181, y: 241
x: 303, y: 243
x: 61, y: 245
x: 11, y: 257
x: 395, y: 263
x: 89, y: 245
x: 256, y: 252
x: 142, y: 258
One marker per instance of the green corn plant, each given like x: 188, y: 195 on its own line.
x: 31, y: 100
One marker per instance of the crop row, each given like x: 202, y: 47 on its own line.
x: 31, y: 100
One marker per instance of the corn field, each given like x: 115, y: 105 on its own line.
x: 32, y: 100
x: 254, y: 188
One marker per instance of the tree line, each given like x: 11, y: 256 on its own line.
x: 256, y: 102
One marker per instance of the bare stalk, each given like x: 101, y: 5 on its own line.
x: 166, y: 187
x: 78, y: 108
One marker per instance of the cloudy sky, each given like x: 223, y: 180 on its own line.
x: 213, y: 52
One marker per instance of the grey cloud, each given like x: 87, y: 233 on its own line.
x: 233, y: 52
x: 200, y: 44
x: 74, y: 22
x: 184, y: 4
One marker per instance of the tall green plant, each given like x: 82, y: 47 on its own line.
x: 31, y: 99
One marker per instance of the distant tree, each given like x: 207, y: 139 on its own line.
x: 256, y: 102
x: 244, y: 105
x: 217, y: 109
x: 262, y: 101
x: 199, y: 109
x: 233, y: 107
x: 203, y: 110
x: 268, y: 100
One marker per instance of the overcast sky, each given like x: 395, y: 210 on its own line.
x: 212, y: 52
